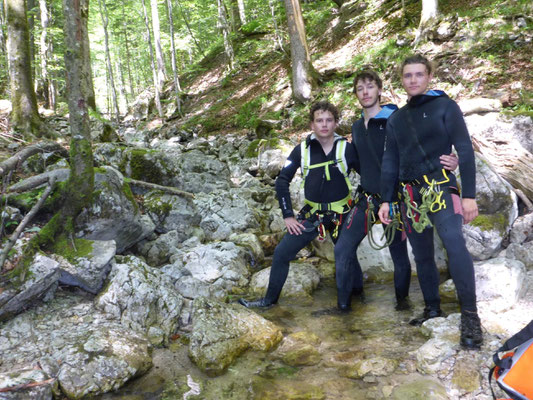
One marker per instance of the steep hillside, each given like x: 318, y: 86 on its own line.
x: 482, y: 47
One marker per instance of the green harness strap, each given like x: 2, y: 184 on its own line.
x: 336, y: 206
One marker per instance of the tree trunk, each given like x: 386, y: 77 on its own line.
x: 236, y: 21
x: 275, y: 21
x: 242, y: 12
x: 161, y: 72
x: 224, y: 27
x: 87, y: 75
x: 3, y: 39
x: 429, y: 13
x: 154, y: 71
x: 81, y: 180
x: 127, y: 46
x: 105, y: 23
x: 122, y: 85
x: 45, y: 54
x: 24, y: 114
x: 31, y: 28
x: 303, y: 73
x: 177, y: 87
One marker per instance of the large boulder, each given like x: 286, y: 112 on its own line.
x: 221, y: 332
x: 40, y: 282
x: 172, y: 213
x: 88, y: 267
x: 113, y: 213
x: 521, y: 252
x: 87, y: 353
x: 499, y: 283
x: 302, y: 280
x: 497, y: 211
x: 213, y: 270
x: 522, y: 229
x: 142, y: 298
x: 224, y: 213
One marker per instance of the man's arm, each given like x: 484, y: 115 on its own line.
x: 389, y: 166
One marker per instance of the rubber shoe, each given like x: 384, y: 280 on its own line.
x: 471, y: 335
x: 259, y: 303
x: 344, y: 308
x: 402, y: 304
x: 427, y: 314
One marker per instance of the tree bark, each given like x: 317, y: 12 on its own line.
x: 303, y: 73
x: 236, y: 22
x: 224, y: 27
x: 24, y: 115
x: 87, y: 75
x: 177, y: 87
x: 127, y: 46
x: 161, y: 71
x: 242, y: 11
x: 430, y: 12
x: 277, y: 35
x: 81, y: 180
x: 154, y: 71
x: 105, y: 23
x: 45, y: 54
x: 3, y: 39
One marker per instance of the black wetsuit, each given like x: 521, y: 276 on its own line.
x: 317, y: 189
x: 369, y: 144
x: 417, y: 135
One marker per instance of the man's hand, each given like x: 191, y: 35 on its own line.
x: 449, y: 162
x: 383, y: 213
x: 293, y: 226
x: 470, y: 210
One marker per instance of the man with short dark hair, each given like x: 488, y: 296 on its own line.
x: 325, y: 159
x: 427, y: 126
x: 368, y: 137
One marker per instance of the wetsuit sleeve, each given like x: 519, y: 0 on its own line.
x: 389, y: 166
x: 284, y: 180
x: 456, y: 128
x: 352, y: 158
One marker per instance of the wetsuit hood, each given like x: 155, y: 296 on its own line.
x: 424, y: 98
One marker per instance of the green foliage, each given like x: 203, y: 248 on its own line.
x: 248, y: 114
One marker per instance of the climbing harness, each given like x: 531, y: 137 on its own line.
x: 430, y: 199
x: 339, y: 161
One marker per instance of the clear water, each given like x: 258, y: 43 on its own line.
x: 373, y: 329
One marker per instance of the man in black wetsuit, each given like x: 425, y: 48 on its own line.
x: 325, y: 159
x: 368, y: 137
x: 427, y: 126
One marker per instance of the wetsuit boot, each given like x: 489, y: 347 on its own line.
x: 471, y: 335
x: 427, y: 314
x: 402, y: 304
x: 259, y: 303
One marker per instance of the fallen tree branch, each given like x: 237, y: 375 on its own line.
x: 15, y: 235
x: 58, y: 175
x: 167, y: 189
x: 13, y: 162
x: 26, y: 385
x: 524, y: 198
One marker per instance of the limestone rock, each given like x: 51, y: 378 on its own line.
x: 157, y: 252
x: 299, y: 349
x: 479, y: 105
x: 271, y: 162
x: 252, y: 243
x: 224, y: 213
x: 142, y: 298
x: 88, y: 353
x: 41, y: 280
x: 88, y: 272
x: 375, y: 366
x: 303, y: 278
x: 113, y: 214
x: 172, y: 213
x: 521, y: 252
x: 466, y: 374
x: 26, y: 377
x: 420, y: 389
x: 430, y: 356
x: 522, y: 229
x: 499, y: 283
x: 221, y: 332
x: 219, y: 266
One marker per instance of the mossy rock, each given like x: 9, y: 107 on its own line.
x: 487, y: 222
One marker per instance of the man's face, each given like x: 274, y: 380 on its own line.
x: 367, y: 93
x: 323, y: 124
x: 415, y: 79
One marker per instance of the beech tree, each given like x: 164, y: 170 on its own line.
x: 24, y: 115
x: 224, y: 28
x: 161, y: 71
x: 303, y: 73
x: 152, y: 62
x: 430, y: 12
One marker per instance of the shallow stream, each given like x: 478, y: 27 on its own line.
x: 373, y: 330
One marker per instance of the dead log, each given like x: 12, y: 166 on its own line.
x: 12, y: 163
x: 167, y: 189
x: 59, y: 175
